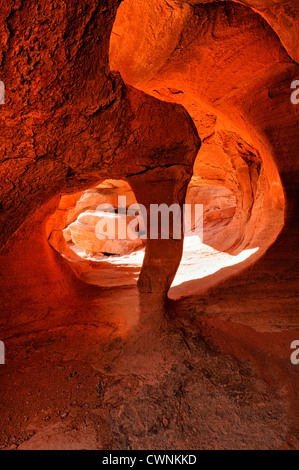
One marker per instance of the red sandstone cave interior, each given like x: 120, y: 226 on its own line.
x: 158, y: 343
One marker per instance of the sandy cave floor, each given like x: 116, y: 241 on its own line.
x: 136, y: 371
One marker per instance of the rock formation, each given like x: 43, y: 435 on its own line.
x: 167, y: 102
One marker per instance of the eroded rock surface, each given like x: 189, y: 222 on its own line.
x: 108, y: 368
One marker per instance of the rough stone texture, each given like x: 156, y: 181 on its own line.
x: 111, y: 368
x: 281, y: 15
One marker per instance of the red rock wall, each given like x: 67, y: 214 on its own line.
x: 216, y: 374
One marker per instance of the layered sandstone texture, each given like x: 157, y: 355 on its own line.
x: 164, y: 102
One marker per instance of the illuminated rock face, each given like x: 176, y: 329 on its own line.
x: 187, y: 98
x: 98, y: 221
x: 105, y: 233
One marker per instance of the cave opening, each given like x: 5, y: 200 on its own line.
x: 193, y: 100
x: 112, y: 261
x: 92, y: 252
x: 234, y: 176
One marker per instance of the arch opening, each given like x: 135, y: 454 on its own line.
x: 91, y: 230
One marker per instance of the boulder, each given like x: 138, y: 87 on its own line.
x: 99, y: 232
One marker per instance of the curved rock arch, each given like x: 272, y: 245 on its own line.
x: 217, y: 60
x: 218, y: 374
